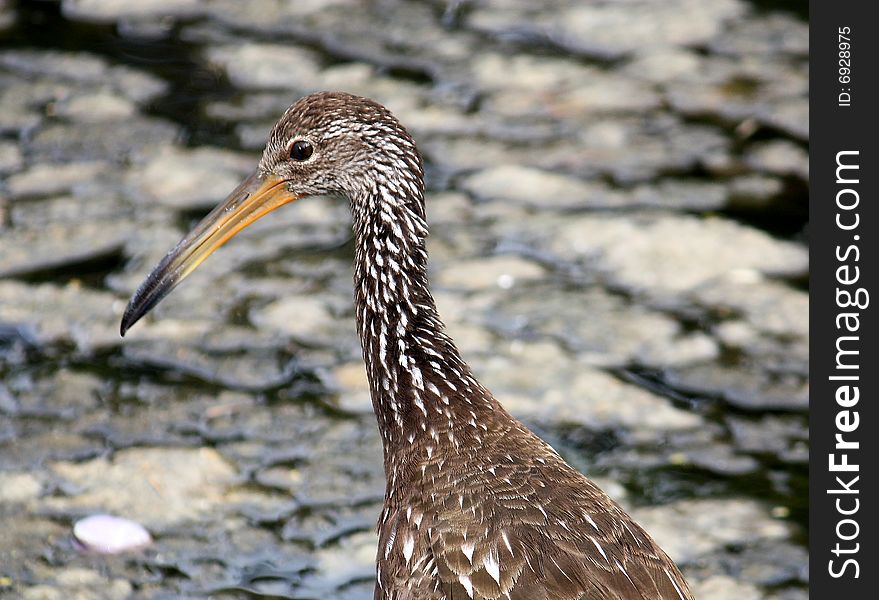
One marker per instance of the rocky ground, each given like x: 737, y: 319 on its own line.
x: 617, y: 206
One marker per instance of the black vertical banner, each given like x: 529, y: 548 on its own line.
x: 843, y: 231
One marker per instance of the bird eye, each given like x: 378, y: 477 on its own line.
x: 301, y: 150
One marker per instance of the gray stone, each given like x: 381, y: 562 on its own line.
x: 599, y: 401
x: 79, y: 583
x: 688, y: 529
x: 10, y: 158
x: 529, y: 86
x: 17, y: 487
x: 782, y: 436
x: 613, y: 30
x: 745, y: 385
x: 28, y: 251
x: 156, y: 486
x: 190, y: 179
x: 71, y: 313
x: 678, y: 194
x: 768, y: 306
x: 7, y: 15
x: 51, y: 179
x: 117, y: 141
x: 601, y: 328
x: 113, y: 10
x: 779, y: 158
x: 664, y: 255
x: 489, y: 273
x: 92, y: 108
x: 268, y: 66
x: 722, y: 587
x: 540, y: 189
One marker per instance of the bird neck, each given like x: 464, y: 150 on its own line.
x: 424, y: 395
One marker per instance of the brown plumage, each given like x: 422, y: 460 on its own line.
x: 476, y: 506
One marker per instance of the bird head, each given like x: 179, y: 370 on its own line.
x: 325, y: 143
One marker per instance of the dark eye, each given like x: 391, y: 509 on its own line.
x: 301, y: 150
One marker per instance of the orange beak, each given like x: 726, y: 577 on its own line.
x: 257, y: 196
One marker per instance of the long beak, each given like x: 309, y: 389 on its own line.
x: 257, y: 195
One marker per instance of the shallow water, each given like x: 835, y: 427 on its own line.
x: 617, y: 207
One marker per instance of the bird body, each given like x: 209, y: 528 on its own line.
x: 476, y: 506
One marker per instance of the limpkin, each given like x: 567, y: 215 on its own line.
x: 476, y: 506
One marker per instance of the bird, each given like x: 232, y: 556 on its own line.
x: 476, y: 506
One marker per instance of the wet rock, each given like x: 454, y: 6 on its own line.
x: 665, y: 255
x: 778, y: 435
x: 112, y: 10
x: 30, y: 251
x: 157, y: 486
x: 486, y: 273
x: 746, y: 386
x: 7, y: 15
x: 191, y: 179
x: 688, y: 529
x: 529, y: 86
x: 302, y: 317
x: 253, y: 106
x: 87, y: 318
x: 721, y: 587
x: 770, y: 307
x: 539, y: 189
x: 599, y: 401
x: 76, y: 582
x: 771, y: 563
x: 16, y: 487
x: 10, y: 158
x: 775, y: 33
x: 611, y: 31
x: 18, y: 115
x: 83, y: 69
x: 352, y: 559
x: 47, y: 179
x: 779, y: 158
x: 69, y: 212
x: 267, y: 66
x: 252, y: 366
x: 753, y: 192
x: 117, y: 141
x: 353, y: 387
x: 93, y: 108
x: 720, y: 459
x: 681, y: 195
x: 663, y: 65
x: 637, y: 150
x: 601, y: 328
x: 66, y: 395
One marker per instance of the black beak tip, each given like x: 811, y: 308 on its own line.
x: 125, y: 324
x: 131, y: 316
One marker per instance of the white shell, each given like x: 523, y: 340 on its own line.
x: 107, y: 534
